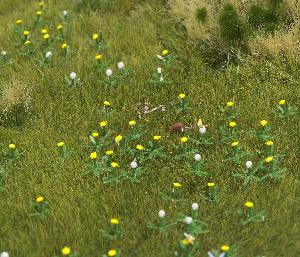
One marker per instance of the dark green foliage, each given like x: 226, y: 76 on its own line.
x: 275, y: 2
x: 201, y: 15
x: 268, y: 19
x: 273, y: 19
x: 16, y: 117
x: 233, y: 30
x: 256, y: 16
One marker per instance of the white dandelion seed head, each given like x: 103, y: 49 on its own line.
x: 249, y: 164
x: 197, y: 157
x: 3, y: 53
x: 120, y: 65
x: 161, y: 78
x: 65, y: 12
x: 161, y: 214
x: 188, y: 220
x: 4, y: 254
x: 159, y: 57
x: 73, y: 75
x: 202, y: 130
x: 159, y: 70
x: 195, y: 207
x: 109, y: 72
x: 133, y: 164
x: 48, y: 54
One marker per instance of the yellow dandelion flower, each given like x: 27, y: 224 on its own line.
x: 103, y: 123
x: 40, y: 3
x: 46, y: 36
x: 269, y: 143
x: 182, y: 96
x: 106, y: 103
x: 109, y: 152
x: 156, y: 137
x: 26, y: 33
x: 165, y: 52
x: 93, y: 155
x: 232, y: 124
x: 225, y: 248
x: 132, y: 123
x: 112, y: 253
x: 38, y: 13
x: 59, y: 27
x: 39, y: 199
x: 282, y: 102
x: 95, y: 36
x: 269, y: 159
x: 60, y: 144
x: 249, y: 204
x: 44, y: 31
x: 27, y: 42
x: 183, y: 139
x: 66, y: 251
x: 98, y: 57
x: 12, y: 146
x: 118, y: 138
x: 210, y: 184
x: 234, y: 143
x: 63, y: 46
x: 115, y: 164
x: 140, y: 147
x: 19, y: 21
x: 114, y: 221
x: 263, y: 123
x: 176, y: 184
x: 95, y: 134
x: 230, y: 104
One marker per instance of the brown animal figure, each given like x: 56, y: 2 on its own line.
x: 180, y: 127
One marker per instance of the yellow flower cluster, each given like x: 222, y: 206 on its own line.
x: 183, y: 139
x: 225, y: 248
x: 60, y: 144
x: 103, y: 123
x: 93, y: 155
x: 12, y: 146
x: 39, y: 199
x: 140, y: 147
x: 249, y: 204
x: 232, y: 124
x: 230, y: 104
x: 114, y: 164
x: 109, y: 152
x: 177, y: 185
x: 114, y: 221
x: 118, y: 138
x: 66, y: 251
x: 236, y: 143
x: 182, y: 96
x: 269, y: 159
x: 112, y: 253
x: 132, y: 123
x: 156, y: 137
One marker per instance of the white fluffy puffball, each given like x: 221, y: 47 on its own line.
x: 161, y: 214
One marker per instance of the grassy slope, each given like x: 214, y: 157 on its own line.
x: 80, y: 206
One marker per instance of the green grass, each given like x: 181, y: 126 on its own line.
x: 82, y: 205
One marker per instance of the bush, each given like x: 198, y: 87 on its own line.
x: 15, y: 102
x: 256, y: 16
x: 233, y: 31
x: 201, y: 15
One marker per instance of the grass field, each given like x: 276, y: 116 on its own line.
x: 41, y: 105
